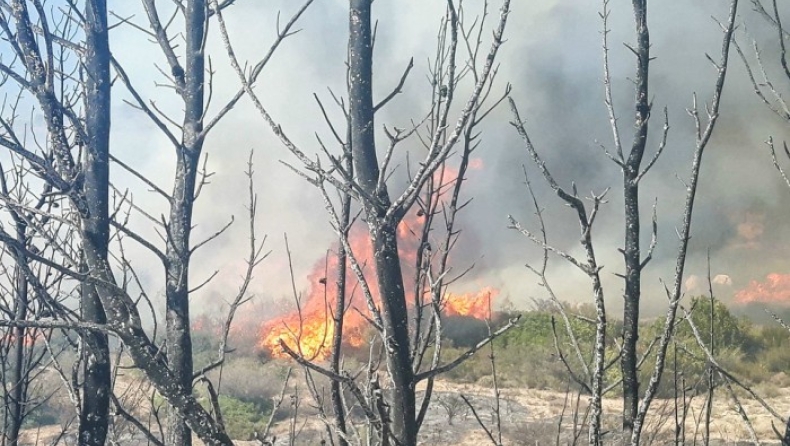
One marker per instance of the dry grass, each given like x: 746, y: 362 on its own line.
x: 530, y: 417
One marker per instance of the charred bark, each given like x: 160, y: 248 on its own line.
x: 97, y: 378
x: 396, y: 327
x: 703, y: 137
x: 17, y: 376
x: 632, y: 248
x: 152, y: 362
x: 94, y: 413
x: 340, y: 308
x: 87, y: 188
x: 179, y: 340
x: 383, y: 234
x: 337, y: 340
x: 631, y: 298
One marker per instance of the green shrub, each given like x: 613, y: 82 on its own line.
x: 772, y: 336
x: 729, y: 331
x: 248, y: 380
x: 242, y: 418
x: 535, y: 329
x: 464, y: 331
x: 775, y: 359
x: 43, y: 415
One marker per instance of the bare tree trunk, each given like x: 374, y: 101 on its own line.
x: 340, y: 308
x: 17, y: 376
x: 632, y: 251
x: 97, y: 385
x: 388, y: 269
x: 94, y: 413
x: 179, y: 341
x: 337, y: 340
x: 383, y: 234
x: 87, y: 188
x: 704, y: 133
x: 631, y: 305
x: 392, y: 414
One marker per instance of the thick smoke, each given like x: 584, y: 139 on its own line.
x: 553, y: 59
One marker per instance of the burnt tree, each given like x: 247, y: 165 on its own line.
x: 363, y: 173
x: 631, y: 165
x: 74, y: 96
x: 771, y: 86
x: 94, y: 416
x: 632, y: 173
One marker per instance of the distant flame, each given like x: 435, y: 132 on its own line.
x: 30, y: 337
x: 309, y: 329
x: 476, y: 305
x: 476, y: 164
x: 775, y: 289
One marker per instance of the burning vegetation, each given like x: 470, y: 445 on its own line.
x: 308, y: 330
x: 775, y: 289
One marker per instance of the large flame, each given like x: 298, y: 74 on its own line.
x: 310, y: 328
x: 775, y: 289
x: 476, y: 305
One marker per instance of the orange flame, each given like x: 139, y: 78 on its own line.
x: 476, y: 305
x: 775, y: 289
x: 309, y: 329
x: 29, y: 339
x: 311, y: 335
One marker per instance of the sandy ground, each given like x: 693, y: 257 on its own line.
x: 528, y: 417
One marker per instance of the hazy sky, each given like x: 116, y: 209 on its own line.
x: 552, y: 58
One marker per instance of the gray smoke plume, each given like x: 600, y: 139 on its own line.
x: 553, y: 59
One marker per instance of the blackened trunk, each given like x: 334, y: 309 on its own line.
x: 94, y: 413
x: 383, y: 234
x: 631, y: 305
x: 396, y: 325
x: 337, y: 341
x: 632, y: 251
x: 18, y: 376
x: 91, y: 200
x: 340, y: 310
x: 179, y: 340
x: 147, y: 357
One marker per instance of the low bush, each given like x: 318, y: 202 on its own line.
x: 248, y: 380
x: 242, y: 419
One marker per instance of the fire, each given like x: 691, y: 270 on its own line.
x: 476, y: 305
x: 775, y: 289
x: 312, y: 337
x: 203, y: 323
x: 30, y: 338
x: 309, y: 329
x: 476, y: 164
